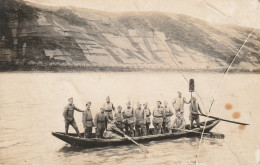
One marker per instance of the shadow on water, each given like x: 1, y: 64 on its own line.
x: 69, y: 150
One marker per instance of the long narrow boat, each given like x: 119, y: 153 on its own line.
x: 72, y: 138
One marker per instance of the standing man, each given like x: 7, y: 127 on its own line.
x: 194, y: 112
x: 120, y: 119
x: 158, y: 116
x: 178, y: 103
x: 100, y: 123
x: 167, y: 120
x: 87, y: 121
x: 148, y: 120
x: 130, y: 120
x: 69, y: 116
x: 108, y: 107
x: 140, y: 116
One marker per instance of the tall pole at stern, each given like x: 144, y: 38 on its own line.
x: 191, y: 87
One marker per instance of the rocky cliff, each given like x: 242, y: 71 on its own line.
x: 36, y: 33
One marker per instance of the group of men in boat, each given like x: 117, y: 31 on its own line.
x: 132, y: 121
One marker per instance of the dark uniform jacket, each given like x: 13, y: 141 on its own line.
x: 100, y: 119
x: 87, y: 119
x: 69, y: 112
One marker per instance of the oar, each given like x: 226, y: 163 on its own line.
x: 190, y: 131
x: 142, y: 147
x: 230, y: 121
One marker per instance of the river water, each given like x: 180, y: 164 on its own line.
x: 32, y: 105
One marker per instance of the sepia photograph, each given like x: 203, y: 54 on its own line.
x: 151, y: 82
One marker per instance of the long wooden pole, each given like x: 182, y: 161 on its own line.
x: 230, y: 121
x: 142, y: 147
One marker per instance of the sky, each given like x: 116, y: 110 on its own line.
x: 239, y: 12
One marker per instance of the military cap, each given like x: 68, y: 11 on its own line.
x: 88, y: 103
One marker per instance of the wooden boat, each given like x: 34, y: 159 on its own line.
x: 72, y: 138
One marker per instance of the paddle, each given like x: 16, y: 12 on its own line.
x: 230, y: 121
x: 142, y: 147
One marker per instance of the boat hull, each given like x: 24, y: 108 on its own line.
x: 72, y: 139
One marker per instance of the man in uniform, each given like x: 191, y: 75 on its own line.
x: 194, y: 112
x: 87, y: 121
x: 140, y: 116
x: 120, y: 119
x: 167, y: 120
x: 112, y: 131
x: 148, y: 120
x: 108, y: 107
x: 158, y: 116
x: 178, y: 103
x: 69, y: 116
x: 100, y: 122
x: 179, y: 122
x: 130, y: 120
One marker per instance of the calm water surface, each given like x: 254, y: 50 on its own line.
x: 32, y: 105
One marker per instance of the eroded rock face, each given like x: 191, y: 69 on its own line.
x: 124, y: 39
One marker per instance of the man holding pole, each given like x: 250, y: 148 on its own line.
x: 194, y: 112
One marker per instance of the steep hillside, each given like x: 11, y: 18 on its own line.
x: 94, y: 38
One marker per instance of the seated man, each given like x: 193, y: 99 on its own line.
x: 112, y: 131
x: 179, y: 122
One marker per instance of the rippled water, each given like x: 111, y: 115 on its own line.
x: 32, y: 105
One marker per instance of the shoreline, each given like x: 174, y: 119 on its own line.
x: 76, y: 69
